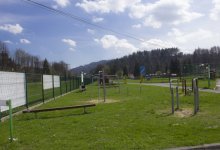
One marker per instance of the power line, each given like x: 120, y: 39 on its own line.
x: 66, y: 14
x: 80, y: 19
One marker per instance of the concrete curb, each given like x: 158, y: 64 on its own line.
x: 214, y: 146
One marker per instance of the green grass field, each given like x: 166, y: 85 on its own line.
x: 133, y: 120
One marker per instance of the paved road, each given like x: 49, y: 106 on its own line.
x: 168, y: 85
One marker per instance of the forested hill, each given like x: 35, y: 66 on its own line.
x: 87, y: 68
x: 170, y: 60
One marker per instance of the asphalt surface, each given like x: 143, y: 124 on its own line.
x: 168, y: 85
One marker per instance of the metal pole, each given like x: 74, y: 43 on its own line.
x: 209, y: 76
x: 185, y: 87
x: 60, y: 86
x: 172, y: 101
x: 119, y: 88
x: 26, y: 88
x: 195, y: 97
x: 104, y: 90
x: 99, y: 84
x: 42, y: 82
x: 11, y: 122
x: 53, y: 86
x: 177, y: 97
x: 66, y: 83
x: 140, y: 88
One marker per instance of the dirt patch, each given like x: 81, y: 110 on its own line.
x: 183, y: 113
x: 96, y: 101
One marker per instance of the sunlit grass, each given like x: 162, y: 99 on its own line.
x: 138, y: 119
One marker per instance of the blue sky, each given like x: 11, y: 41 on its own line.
x: 186, y: 24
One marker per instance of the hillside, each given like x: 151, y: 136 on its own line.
x: 87, y: 68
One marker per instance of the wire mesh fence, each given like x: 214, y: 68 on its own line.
x: 38, y: 88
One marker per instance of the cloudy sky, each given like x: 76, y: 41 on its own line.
x: 113, y: 28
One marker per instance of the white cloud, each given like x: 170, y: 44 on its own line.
x: 70, y: 42
x: 106, y: 6
x: 155, y: 14
x: 72, y: 49
x: 97, y: 19
x: 156, y: 43
x: 8, y: 42
x: 137, y: 26
x: 25, y: 41
x: 163, y: 12
x: 15, y: 29
x: 152, y: 22
x: 189, y: 40
x: 114, y: 43
x: 91, y: 31
x: 198, y: 35
x: 61, y: 3
x: 215, y: 12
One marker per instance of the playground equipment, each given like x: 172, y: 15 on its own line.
x: 195, y: 90
x: 7, y: 103
x: 104, y: 81
x: 196, y: 95
x: 174, y: 87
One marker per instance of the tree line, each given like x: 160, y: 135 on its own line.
x: 22, y: 61
x: 163, y: 62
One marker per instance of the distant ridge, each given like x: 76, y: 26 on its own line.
x: 87, y: 68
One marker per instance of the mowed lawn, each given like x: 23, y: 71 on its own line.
x: 132, y: 120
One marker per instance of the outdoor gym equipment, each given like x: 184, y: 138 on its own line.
x: 196, y: 95
x: 184, y: 89
x: 102, y: 79
x: 195, y: 90
x: 172, y: 87
x: 9, y: 105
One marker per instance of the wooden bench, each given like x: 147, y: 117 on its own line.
x: 59, y: 108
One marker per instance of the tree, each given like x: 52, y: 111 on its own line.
x: 125, y: 71
x: 4, y: 57
x: 175, y: 66
x: 136, y: 69
x: 46, y: 67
